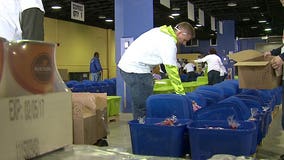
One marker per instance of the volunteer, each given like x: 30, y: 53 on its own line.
x: 154, y: 47
x: 214, y: 66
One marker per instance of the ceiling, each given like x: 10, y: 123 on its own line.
x: 269, y: 10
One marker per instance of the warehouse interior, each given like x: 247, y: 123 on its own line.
x: 72, y: 117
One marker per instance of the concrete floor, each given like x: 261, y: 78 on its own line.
x: 270, y: 149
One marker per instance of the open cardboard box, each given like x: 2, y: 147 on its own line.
x: 89, y: 117
x: 254, y: 71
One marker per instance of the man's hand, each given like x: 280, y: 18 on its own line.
x: 276, y: 62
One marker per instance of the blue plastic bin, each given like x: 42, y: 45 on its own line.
x: 166, y: 105
x: 157, y: 140
x: 206, y: 142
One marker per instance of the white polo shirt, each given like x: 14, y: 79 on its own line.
x: 148, y: 50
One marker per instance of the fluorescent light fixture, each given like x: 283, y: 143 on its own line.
x: 262, y: 21
x: 245, y: 19
x: 102, y: 17
x: 253, y: 27
x: 175, y: 14
x: 56, y: 7
x: 172, y: 17
x: 109, y: 20
x: 267, y: 29
x: 232, y: 4
x: 175, y: 9
x: 254, y: 7
x: 198, y: 25
x: 264, y: 37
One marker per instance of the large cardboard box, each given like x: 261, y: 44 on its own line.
x: 34, y: 125
x: 89, y: 117
x: 254, y: 71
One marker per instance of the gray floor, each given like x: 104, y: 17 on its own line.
x: 271, y: 148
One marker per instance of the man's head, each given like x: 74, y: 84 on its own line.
x: 212, y: 51
x: 184, y: 32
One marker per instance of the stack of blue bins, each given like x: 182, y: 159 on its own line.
x: 106, y: 86
x: 206, y: 131
x: 210, y: 133
x: 162, y: 140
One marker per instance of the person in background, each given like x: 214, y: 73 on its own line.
x: 223, y: 73
x: 214, y: 65
x: 277, y: 64
x: 10, y: 28
x: 154, y: 47
x: 96, y: 68
x: 163, y: 71
x: 31, y: 20
x: 190, y: 68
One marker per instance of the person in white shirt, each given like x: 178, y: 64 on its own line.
x: 10, y: 28
x: 223, y: 73
x: 154, y: 47
x: 189, y: 68
x: 214, y: 64
x: 32, y: 17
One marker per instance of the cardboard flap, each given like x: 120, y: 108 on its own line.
x: 253, y: 64
x: 245, y: 55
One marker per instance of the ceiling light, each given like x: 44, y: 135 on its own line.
x: 264, y: 37
x: 172, y: 17
x: 102, y: 17
x: 56, y: 7
x: 267, y: 29
x: 245, y: 19
x: 175, y: 9
x: 232, y: 4
x: 109, y: 20
x: 253, y: 27
x: 255, y: 7
x: 198, y: 25
x: 262, y: 21
x: 175, y: 14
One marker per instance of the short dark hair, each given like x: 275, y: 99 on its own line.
x: 96, y: 54
x: 212, y: 51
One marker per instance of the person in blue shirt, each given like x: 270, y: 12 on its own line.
x: 96, y: 68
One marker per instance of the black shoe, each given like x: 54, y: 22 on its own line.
x: 101, y: 143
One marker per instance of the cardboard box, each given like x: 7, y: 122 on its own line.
x: 34, y: 125
x: 255, y: 72
x: 89, y: 117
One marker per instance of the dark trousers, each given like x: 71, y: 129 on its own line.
x: 191, y: 76
x: 32, y: 24
x: 213, y: 77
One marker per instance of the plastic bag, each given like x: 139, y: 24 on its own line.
x: 195, y: 106
x: 232, y: 123
x: 168, y: 121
